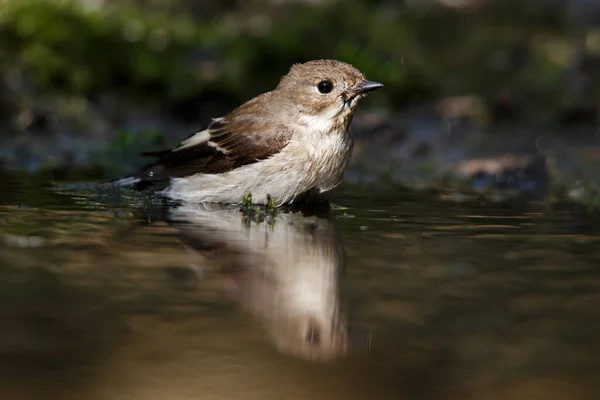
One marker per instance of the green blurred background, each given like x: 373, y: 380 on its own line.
x: 90, y: 83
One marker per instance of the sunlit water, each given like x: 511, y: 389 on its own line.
x: 457, y: 300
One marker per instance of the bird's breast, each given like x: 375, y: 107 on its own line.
x: 328, y: 155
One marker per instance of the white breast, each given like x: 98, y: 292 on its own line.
x: 313, y: 161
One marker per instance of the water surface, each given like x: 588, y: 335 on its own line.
x: 103, y: 297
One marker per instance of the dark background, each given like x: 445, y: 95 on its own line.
x: 86, y: 85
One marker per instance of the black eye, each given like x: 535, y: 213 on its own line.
x: 325, y: 87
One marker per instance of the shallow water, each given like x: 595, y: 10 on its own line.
x: 104, y: 297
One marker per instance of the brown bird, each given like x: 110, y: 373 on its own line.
x: 291, y: 144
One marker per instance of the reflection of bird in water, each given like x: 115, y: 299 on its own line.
x: 285, y: 272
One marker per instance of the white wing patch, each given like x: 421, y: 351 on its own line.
x: 196, y: 138
x: 219, y: 148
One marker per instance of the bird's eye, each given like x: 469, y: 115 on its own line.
x: 325, y: 87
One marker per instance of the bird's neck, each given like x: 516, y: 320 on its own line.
x: 332, y: 122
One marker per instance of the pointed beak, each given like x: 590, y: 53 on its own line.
x: 368, y: 86
x: 363, y: 89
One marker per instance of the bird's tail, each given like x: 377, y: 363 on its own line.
x: 135, y: 182
x: 126, y: 182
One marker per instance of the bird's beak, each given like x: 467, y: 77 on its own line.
x: 364, y: 88
x: 368, y: 86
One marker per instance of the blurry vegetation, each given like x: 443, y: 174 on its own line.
x: 61, y: 47
x: 85, y: 85
x: 239, y: 49
x: 126, y: 148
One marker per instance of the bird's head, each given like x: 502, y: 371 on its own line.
x: 325, y: 89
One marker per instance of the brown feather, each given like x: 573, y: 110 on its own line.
x: 243, y: 137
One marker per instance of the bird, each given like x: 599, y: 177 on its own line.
x: 286, y: 146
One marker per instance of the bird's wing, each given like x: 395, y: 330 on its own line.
x: 225, y: 145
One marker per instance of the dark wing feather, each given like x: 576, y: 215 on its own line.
x: 232, y: 142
